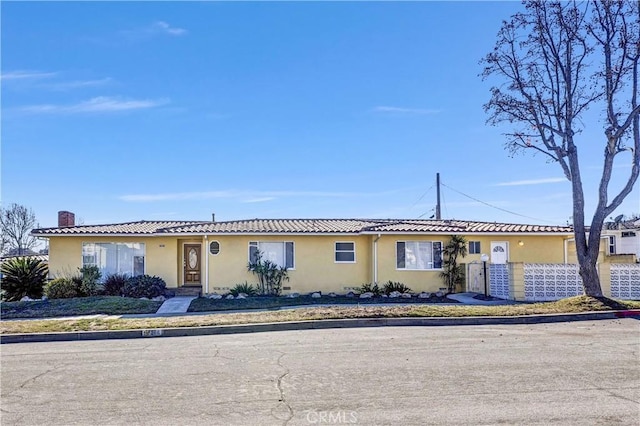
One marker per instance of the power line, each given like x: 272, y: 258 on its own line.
x: 492, y: 206
x: 421, y: 197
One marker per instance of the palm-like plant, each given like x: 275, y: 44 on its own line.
x: 23, y: 276
x: 270, y: 275
x: 452, y: 273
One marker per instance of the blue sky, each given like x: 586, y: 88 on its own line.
x: 123, y: 111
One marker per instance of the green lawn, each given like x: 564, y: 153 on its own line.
x: 78, y: 306
x: 272, y: 302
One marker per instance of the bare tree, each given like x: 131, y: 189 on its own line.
x: 558, y: 59
x: 16, y: 223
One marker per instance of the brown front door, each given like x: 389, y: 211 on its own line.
x: 191, y: 262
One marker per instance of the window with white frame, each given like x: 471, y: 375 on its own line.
x: 280, y: 253
x: 115, y: 258
x: 627, y: 234
x: 419, y: 255
x: 612, y: 244
x: 345, y: 252
x: 474, y: 247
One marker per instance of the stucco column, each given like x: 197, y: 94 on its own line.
x: 604, y: 271
x: 516, y: 281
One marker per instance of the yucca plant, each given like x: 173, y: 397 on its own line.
x: 245, y: 288
x: 23, y: 276
x: 392, y: 286
x: 371, y: 288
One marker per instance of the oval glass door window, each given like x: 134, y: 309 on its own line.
x: 214, y: 247
x: 193, y: 258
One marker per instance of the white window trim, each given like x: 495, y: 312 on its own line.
x: 82, y: 264
x: 418, y: 241
x: 336, y: 251
x: 479, y: 248
x: 293, y: 268
x: 611, y: 244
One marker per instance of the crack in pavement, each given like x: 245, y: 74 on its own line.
x: 31, y: 380
x: 282, y: 399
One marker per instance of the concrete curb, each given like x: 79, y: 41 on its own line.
x: 311, y: 325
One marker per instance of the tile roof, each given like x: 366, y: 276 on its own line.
x: 303, y: 226
x: 142, y: 227
x: 40, y: 257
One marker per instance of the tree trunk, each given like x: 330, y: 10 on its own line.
x: 590, y: 278
x: 588, y: 251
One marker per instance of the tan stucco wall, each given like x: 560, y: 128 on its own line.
x: 65, y: 255
x: 314, y: 268
x: 534, y: 249
x: 572, y: 256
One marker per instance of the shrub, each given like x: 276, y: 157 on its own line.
x: 270, y: 275
x: 89, y: 276
x: 114, y: 284
x: 23, y: 277
x: 245, y: 288
x: 63, y: 288
x: 144, y: 286
x: 371, y: 288
x: 392, y: 286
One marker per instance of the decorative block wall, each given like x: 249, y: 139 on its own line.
x: 546, y: 281
x: 499, y: 280
x: 625, y: 281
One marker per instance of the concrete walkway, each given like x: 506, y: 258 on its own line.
x: 468, y: 299
x: 176, y: 305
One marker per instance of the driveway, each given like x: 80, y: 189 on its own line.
x: 565, y: 373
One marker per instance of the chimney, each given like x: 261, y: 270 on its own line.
x: 66, y: 219
x: 213, y: 217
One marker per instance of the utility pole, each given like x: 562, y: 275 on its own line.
x: 438, y: 196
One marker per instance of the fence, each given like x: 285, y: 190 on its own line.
x: 550, y: 281
x: 539, y: 282
x: 625, y: 281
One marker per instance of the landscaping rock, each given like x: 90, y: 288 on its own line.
x: 229, y: 297
x: 406, y: 295
x: 316, y: 295
x: 424, y: 295
x: 367, y: 295
x: 351, y: 294
x: 159, y: 299
x: 293, y: 295
x: 144, y: 298
x: 215, y: 296
x: 241, y: 296
x: 384, y: 295
x: 332, y: 294
x: 26, y: 299
x: 394, y: 294
x: 439, y: 293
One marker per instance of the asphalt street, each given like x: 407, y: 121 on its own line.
x: 578, y: 373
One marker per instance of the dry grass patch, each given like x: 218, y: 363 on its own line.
x: 571, y: 305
